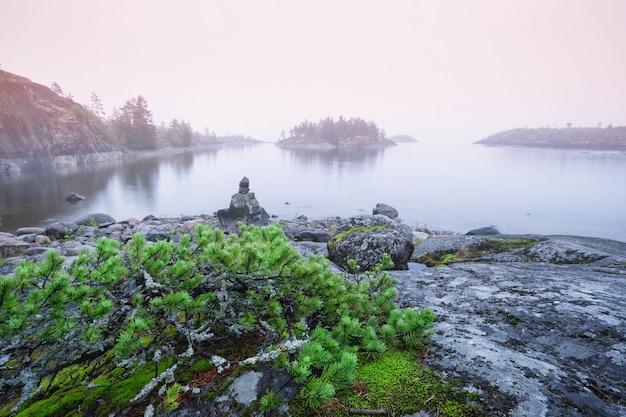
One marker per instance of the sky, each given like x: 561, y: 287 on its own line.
x: 438, y: 70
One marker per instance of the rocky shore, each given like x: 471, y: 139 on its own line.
x: 534, y: 324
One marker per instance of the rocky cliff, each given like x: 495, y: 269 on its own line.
x: 40, y: 128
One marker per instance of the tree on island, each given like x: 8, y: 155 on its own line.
x: 335, y: 132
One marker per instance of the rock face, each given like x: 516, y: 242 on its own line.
x: 40, y: 128
x: 543, y: 325
x: 244, y: 207
x: 365, y: 238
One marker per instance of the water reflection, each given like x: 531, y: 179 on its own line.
x: 519, y: 190
x: 41, y: 194
x: 362, y: 158
x: 141, y: 173
x: 36, y: 198
x: 183, y: 162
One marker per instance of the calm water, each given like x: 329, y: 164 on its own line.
x: 519, y: 190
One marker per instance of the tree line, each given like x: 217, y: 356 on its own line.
x: 131, y: 126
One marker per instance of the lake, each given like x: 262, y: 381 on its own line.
x: 441, y: 186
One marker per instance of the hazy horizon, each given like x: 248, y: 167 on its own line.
x: 444, y: 70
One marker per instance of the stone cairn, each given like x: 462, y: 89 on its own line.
x: 244, y: 207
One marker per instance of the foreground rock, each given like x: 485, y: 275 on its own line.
x: 543, y: 336
x: 534, y: 324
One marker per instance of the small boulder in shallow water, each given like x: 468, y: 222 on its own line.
x: 73, y: 197
x: 387, y: 210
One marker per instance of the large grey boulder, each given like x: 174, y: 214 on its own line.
x: 365, y: 238
x: 97, y: 218
x: 59, y: 230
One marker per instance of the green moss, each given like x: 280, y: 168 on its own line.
x: 68, y: 396
x: 486, y: 247
x: 509, y: 317
x: 400, y: 384
x: 360, y: 229
x: 59, y: 403
x: 201, y: 365
x: 500, y: 245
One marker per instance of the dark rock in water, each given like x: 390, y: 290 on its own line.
x: 73, y: 197
x: 387, y: 210
x: 365, y: 238
x: 60, y: 230
x: 244, y: 207
x: 95, y: 218
x: 484, y: 231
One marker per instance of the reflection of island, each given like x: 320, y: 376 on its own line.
x: 355, y: 157
x: 609, y: 138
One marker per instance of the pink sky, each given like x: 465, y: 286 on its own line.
x: 454, y: 70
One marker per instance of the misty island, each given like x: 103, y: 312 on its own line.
x: 592, y: 138
x: 342, y: 132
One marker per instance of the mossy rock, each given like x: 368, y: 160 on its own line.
x: 366, y: 238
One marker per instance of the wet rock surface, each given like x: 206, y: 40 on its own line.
x: 534, y: 337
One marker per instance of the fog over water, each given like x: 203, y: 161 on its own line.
x: 453, y: 188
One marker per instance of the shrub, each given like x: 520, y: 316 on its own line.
x: 115, y: 310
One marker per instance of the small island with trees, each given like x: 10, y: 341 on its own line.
x: 597, y: 138
x: 335, y: 133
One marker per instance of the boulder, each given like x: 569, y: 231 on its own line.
x: 484, y: 231
x: 387, y: 210
x: 154, y: 231
x: 365, y: 238
x: 73, y: 197
x: 99, y: 219
x: 59, y: 230
x: 11, y: 246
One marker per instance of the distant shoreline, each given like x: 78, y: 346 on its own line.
x: 586, y: 138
